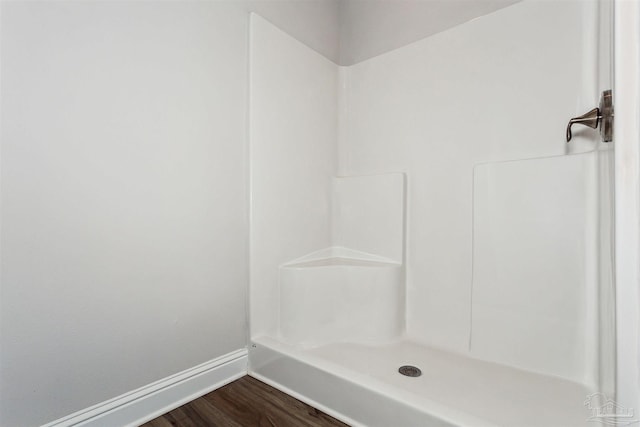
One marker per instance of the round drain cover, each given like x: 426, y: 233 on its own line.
x: 410, y: 371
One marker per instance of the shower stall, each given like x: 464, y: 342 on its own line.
x: 426, y: 247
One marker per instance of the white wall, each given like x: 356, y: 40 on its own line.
x: 124, y: 209
x: 500, y: 87
x: 293, y: 155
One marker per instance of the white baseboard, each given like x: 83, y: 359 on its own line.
x: 148, y: 402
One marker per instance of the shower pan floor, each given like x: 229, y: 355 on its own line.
x: 361, y: 385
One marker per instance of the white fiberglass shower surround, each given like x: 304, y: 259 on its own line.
x: 422, y: 208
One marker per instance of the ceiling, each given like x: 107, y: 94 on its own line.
x: 350, y: 31
x: 371, y: 27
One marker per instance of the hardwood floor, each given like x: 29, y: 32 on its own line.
x: 246, y: 402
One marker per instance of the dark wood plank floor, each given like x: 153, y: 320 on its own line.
x: 246, y: 402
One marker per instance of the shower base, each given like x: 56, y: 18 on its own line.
x: 360, y: 385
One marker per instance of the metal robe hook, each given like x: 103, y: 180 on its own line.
x: 601, y: 116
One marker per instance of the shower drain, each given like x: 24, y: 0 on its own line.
x: 410, y: 371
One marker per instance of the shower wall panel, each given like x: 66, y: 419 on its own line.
x: 293, y: 99
x: 368, y: 214
x: 500, y: 87
x: 535, y: 264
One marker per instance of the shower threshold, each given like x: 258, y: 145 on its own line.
x: 360, y: 385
